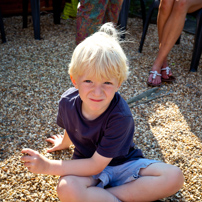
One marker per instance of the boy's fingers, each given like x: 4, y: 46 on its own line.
x: 51, y: 149
x: 51, y: 140
x: 30, y: 152
x: 26, y: 158
x: 54, y: 136
x: 28, y: 164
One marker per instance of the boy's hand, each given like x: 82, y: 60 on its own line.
x: 35, y: 162
x: 56, y: 140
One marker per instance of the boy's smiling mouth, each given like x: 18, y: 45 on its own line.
x: 100, y: 100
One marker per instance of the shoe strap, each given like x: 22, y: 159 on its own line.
x: 155, y: 73
x: 167, y: 70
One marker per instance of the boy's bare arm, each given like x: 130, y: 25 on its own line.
x: 59, y: 142
x: 67, y: 139
x: 37, y: 163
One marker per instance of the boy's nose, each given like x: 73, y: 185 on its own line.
x: 97, y: 91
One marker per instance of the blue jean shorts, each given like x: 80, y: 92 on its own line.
x: 121, y: 174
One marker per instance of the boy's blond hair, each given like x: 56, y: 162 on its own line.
x: 101, y: 56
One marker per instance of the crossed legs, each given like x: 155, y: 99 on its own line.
x: 158, y: 180
x: 82, y: 189
x: 171, y: 19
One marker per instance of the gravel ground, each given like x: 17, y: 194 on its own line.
x: 34, y: 75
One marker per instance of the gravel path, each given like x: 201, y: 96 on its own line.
x: 34, y: 75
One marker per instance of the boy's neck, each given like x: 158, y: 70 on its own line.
x: 91, y: 115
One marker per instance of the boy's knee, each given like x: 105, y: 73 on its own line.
x: 66, y: 187
x: 175, y: 177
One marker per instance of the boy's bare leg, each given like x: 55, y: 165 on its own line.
x: 158, y: 180
x: 82, y: 189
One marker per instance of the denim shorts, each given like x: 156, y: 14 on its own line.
x: 121, y: 174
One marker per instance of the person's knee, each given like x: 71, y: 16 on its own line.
x: 166, y: 6
x: 67, y: 188
x: 175, y: 178
x: 180, y: 6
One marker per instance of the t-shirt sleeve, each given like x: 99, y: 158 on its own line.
x: 64, y: 106
x: 117, y: 138
x: 59, y: 115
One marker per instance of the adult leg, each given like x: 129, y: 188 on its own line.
x: 157, y: 181
x: 164, y: 12
x: 82, y: 189
x: 192, y: 6
x: 90, y: 15
x: 171, y: 32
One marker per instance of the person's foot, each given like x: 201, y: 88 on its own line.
x: 154, y: 78
x: 167, y: 74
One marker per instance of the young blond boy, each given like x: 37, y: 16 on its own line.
x: 98, y: 121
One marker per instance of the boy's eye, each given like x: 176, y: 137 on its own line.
x: 108, y: 83
x: 88, y: 81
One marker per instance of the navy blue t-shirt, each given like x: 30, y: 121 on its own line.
x: 111, y: 134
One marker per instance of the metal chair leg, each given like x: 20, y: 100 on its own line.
x: 123, y: 17
x: 143, y: 10
x: 153, y: 6
x: 197, y: 50
x: 56, y: 11
x: 3, y: 36
x: 35, y: 7
x: 24, y: 12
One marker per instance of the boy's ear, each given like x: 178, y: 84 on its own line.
x: 73, y: 81
x: 118, y: 87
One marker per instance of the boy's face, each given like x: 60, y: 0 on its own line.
x: 96, y: 95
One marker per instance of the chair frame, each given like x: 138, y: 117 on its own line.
x: 123, y: 16
x: 3, y: 36
x: 35, y: 9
